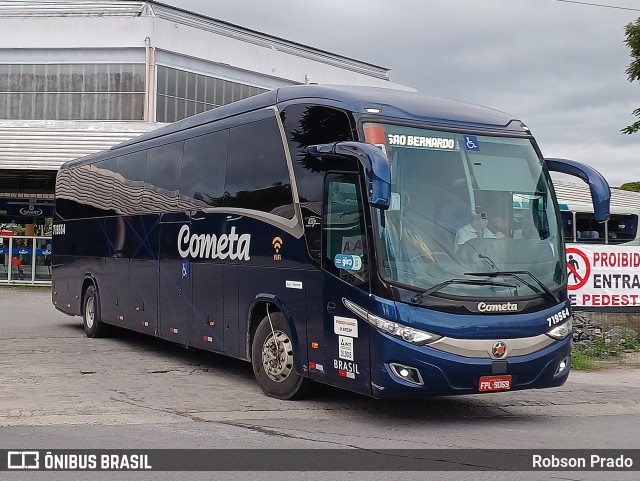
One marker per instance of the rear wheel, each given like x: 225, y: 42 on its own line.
x: 272, y: 360
x: 93, y: 326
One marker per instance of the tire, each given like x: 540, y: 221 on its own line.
x: 275, y: 375
x: 93, y: 326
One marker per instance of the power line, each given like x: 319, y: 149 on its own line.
x: 599, y: 5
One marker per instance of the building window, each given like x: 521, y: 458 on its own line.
x: 182, y: 94
x: 72, y: 92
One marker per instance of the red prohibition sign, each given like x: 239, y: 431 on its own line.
x: 579, y: 276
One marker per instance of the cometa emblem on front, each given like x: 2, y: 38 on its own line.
x: 499, y: 350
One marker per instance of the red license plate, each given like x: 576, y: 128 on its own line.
x: 494, y: 383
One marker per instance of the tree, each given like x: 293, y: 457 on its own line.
x: 632, y: 186
x: 632, y: 32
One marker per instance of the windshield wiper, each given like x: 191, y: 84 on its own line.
x: 517, y: 275
x: 473, y: 282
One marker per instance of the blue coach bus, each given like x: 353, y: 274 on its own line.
x: 359, y: 237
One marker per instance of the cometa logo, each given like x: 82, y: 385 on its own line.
x: 506, y: 307
x: 210, y: 246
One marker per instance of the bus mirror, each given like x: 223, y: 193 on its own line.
x: 598, y: 185
x: 375, y: 163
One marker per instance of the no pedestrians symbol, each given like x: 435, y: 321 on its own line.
x: 578, y: 268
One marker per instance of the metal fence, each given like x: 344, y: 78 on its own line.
x: 25, y: 260
x: 606, y: 336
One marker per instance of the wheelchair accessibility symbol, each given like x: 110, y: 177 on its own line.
x: 471, y: 142
x: 185, y: 270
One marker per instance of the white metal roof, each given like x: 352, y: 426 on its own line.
x: 120, y: 8
x: 570, y: 193
x: 46, y: 145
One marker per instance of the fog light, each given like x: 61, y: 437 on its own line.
x: 406, y: 373
x: 562, y: 366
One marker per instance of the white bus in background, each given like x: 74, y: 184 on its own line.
x: 578, y: 221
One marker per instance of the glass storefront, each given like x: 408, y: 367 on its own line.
x: 25, y: 259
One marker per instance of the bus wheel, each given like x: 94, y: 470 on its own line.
x: 93, y: 326
x: 272, y: 359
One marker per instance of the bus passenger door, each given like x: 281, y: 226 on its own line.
x: 175, y: 280
x: 346, y: 275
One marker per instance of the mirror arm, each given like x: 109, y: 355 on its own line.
x: 376, y: 167
x: 598, y: 185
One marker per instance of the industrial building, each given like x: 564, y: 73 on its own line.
x: 79, y: 76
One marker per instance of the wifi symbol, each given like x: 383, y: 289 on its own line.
x: 277, y: 243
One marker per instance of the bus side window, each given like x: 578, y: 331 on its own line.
x: 588, y: 230
x: 203, y: 171
x: 131, y: 169
x: 162, y: 177
x: 567, y: 226
x: 622, y: 228
x: 344, y: 236
x: 305, y: 125
x: 257, y: 175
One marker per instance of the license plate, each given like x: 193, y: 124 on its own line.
x: 494, y: 383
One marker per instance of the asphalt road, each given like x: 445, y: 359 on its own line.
x: 62, y: 390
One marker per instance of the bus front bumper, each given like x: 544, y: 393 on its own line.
x: 406, y: 371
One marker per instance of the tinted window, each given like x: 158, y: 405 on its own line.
x: 84, y: 191
x: 307, y: 125
x: 567, y: 226
x: 588, y: 230
x: 203, y: 166
x: 344, y: 233
x: 162, y: 177
x: 129, y: 184
x: 101, y: 185
x: 310, y: 125
x: 257, y: 176
x: 622, y: 228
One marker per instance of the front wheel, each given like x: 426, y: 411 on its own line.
x: 272, y: 359
x: 93, y: 326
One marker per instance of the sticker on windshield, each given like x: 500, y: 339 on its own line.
x: 471, y: 142
x: 348, y: 262
x: 421, y: 142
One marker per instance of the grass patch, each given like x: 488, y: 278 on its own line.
x: 580, y: 361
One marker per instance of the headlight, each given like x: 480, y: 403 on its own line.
x: 561, y: 331
x: 409, y: 334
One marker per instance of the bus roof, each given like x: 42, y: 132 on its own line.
x: 392, y: 104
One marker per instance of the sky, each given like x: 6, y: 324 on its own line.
x: 559, y: 66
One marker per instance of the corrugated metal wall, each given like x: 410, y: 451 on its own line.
x: 47, y: 145
x: 568, y: 193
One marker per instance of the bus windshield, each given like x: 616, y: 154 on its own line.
x: 470, y: 216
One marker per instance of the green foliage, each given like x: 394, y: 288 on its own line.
x: 599, y: 349
x: 580, y: 361
x: 632, y: 186
x: 629, y: 340
x: 632, y: 33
